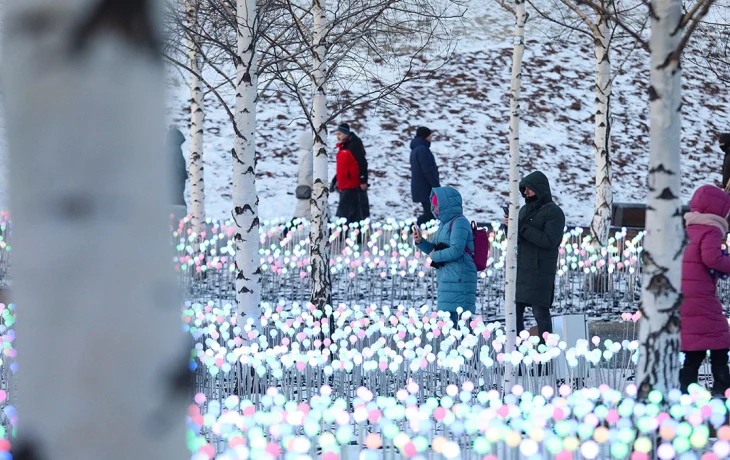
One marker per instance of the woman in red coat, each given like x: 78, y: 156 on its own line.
x: 704, y: 325
x: 347, y: 181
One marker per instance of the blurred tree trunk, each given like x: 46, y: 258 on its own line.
x: 104, y: 363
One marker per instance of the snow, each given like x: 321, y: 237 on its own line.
x: 467, y: 103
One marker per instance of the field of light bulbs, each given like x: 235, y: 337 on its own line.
x: 381, y: 374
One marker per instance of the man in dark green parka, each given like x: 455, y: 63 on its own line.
x: 541, y: 227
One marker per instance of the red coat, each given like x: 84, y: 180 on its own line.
x: 348, y: 171
x: 704, y: 325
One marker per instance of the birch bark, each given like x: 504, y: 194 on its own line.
x: 601, y: 223
x: 514, y: 192
x: 320, y: 249
x: 197, y: 127
x: 658, y: 367
x: 245, y: 198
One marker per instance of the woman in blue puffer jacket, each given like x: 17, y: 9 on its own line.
x: 450, y: 252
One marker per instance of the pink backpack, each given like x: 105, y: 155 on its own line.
x: 481, y: 245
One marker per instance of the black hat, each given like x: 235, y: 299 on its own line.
x: 423, y: 132
x: 344, y: 128
x: 725, y: 141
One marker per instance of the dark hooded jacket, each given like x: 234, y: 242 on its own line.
x: 424, y: 172
x: 726, y: 168
x: 541, y: 227
x: 175, y: 140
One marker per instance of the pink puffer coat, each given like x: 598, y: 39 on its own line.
x: 704, y: 326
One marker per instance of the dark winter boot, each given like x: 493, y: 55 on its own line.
x: 687, y: 376
x: 721, y: 381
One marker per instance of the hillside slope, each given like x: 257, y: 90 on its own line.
x: 468, y: 105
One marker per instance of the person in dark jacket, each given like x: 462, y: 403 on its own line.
x: 175, y: 140
x: 354, y: 144
x: 725, y: 147
x: 348, y: 183
x: 424, y: 172
x: 540, y: 227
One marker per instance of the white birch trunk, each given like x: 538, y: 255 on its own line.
x: 658, y: 367
x: 245, y: 198
x: 320, y: 249
x: 510, y: 307
x: 99, y: 344
x: 197, y: 127
x: 601, y: 223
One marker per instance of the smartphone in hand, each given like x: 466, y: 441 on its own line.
x: 506, y: 210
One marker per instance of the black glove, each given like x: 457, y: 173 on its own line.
x: 437, y: 264
x: 439, y: 247
x: 333, y: 185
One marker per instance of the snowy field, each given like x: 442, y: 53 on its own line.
x: 467, y: 104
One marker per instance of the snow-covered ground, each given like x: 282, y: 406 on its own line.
x: 467, y: 103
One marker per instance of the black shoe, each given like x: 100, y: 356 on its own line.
x: 721, y: 381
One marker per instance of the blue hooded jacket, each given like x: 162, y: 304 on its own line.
x: 457, y: 280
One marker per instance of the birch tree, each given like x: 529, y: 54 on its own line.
x: 197, y: 124
x: 320, y: 250
x: 102, y: 355
x: 227, y: 38
x: 601, y: 222
x: 664, y: 244
x: 510, y: 288
x: 659, y: 326
x: 245, y: 198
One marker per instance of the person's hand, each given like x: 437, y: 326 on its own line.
x: 364, y: 187
x: 506, y: 220
x: 417, y: 238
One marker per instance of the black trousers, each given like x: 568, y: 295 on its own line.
x: 350, y: 206
x: 455, y: 319
x: 691, y: 368
x: 541, y: 314
x: 364, y: 204
x: 427, y: 215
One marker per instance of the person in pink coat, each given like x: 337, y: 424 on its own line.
x: 704, y: 325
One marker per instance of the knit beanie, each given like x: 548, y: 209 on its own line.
x: 344, y: 128
x: 423, y: 132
